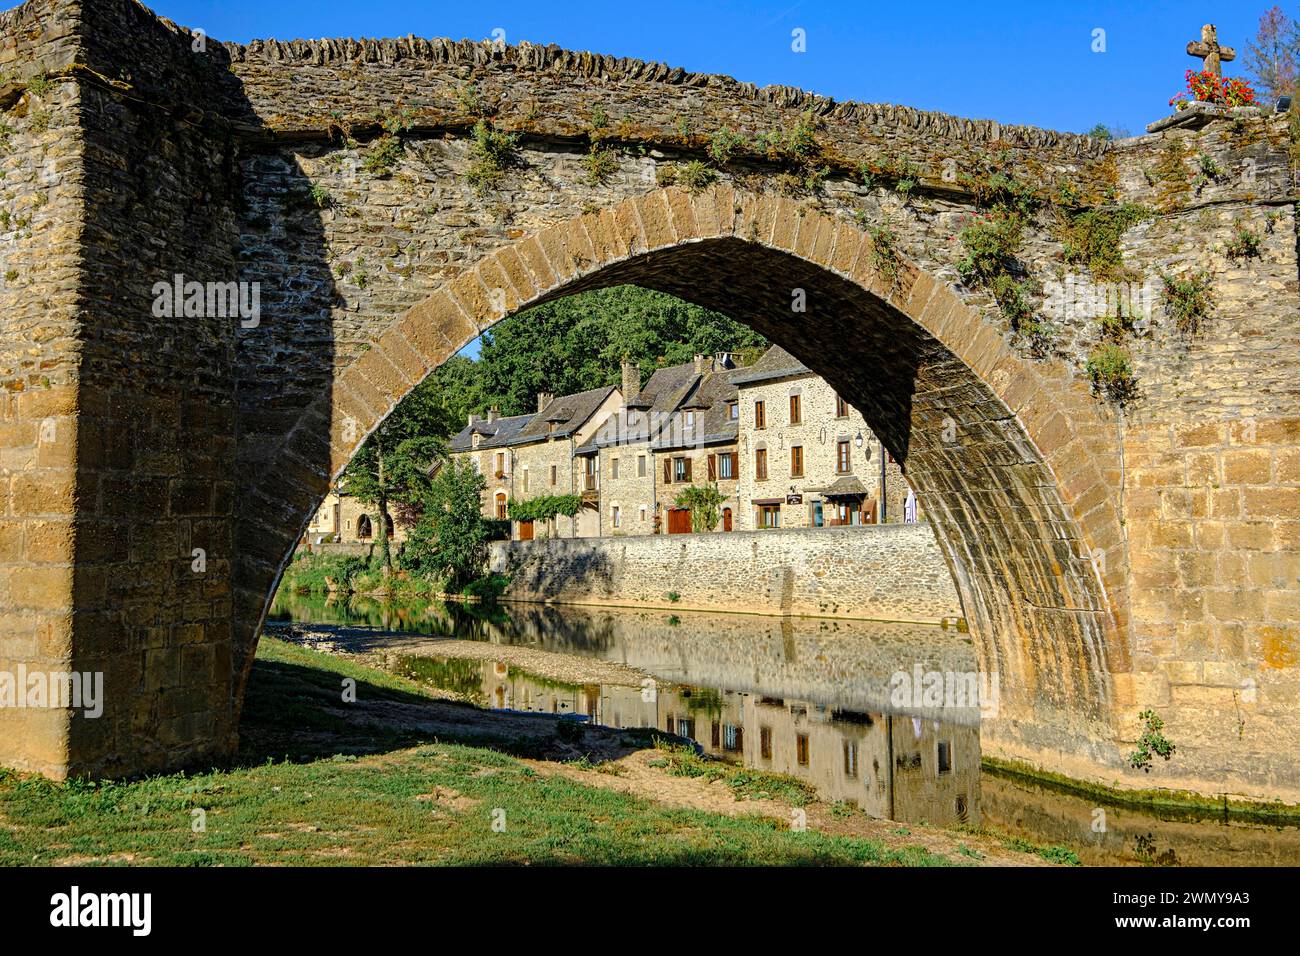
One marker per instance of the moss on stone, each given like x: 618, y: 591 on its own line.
x: 1092, y: 238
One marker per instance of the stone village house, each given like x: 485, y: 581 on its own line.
x: 783, y: 449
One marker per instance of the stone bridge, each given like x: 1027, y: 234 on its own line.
x: 158, y: 466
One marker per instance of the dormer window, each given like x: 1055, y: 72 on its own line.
x: 733, y: 411
x: 690, y: 419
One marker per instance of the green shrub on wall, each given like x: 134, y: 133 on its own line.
x: 544, y: 507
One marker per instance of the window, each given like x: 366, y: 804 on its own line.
x: 801, y: 749
x: 525, y: 480
x: 733, y: 411
x: 760, y: 464
x: 501, y: 506
x: 842, y: 460
x: 690, y: 419
x: 640, y: 466
x: 733, y: 738
x: 796, y: 461
x: 617, y: 517
x: 363, y: 527
x: 796, y: 410
x: 554, y: 475
x: 727, y: 465
x: 613, y: 468
x: 760, y: 416
x: 501, y: 464
x: 765, y: 742
x: 945, y: 757
x: 681, y: 469
x: 769, y: 516
x: 643, y: 514
x: 850, y: 758
x: 841, y: 408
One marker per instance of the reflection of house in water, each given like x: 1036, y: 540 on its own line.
x: 889, y: 765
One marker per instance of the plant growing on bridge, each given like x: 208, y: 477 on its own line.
x: 1244, y: 244
x: 884, y: 252
x: 705, y: 503
x: 724, y: 144
x: 1188, y: 301
x: 1111, y: 371
x: 382, y: 156
x: 989, y: 262
x: 695, y: 176
x: 601, y: 163
x: 491, y: 153
x: 1152, y: 743
x: 1092, y: 238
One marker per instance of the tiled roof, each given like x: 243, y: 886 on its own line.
x: 567, y: 412
x: 494, y: 434
x: 775, y: 363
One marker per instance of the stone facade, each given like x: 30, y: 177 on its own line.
x: 825, y: 468
x: 887, y: 572
x: 265, y: 163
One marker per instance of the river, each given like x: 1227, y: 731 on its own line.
x: 830, y: 702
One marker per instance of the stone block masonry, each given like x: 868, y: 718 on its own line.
x: 884, y: 572
x: 1106, y: 563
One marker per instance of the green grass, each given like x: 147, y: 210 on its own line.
x: 311, y: 787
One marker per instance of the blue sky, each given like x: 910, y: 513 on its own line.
x: 1020, y: 61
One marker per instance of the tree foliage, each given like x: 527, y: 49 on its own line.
x: 579, y: 342
x: 451, y: 539
x: 705, y: 503
x: 1273, y: 56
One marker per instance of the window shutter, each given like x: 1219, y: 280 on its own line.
x: 668, y: 471
x: 713, y: 468
x: 688, y: 468
x: 735, y: 464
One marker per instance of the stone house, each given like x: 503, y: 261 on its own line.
x: 342, y: 519
x: 668, y: 435
x: 528, y: 456
x: 783, y: 449
x: 808, y: 458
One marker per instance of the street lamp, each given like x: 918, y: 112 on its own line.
x: 857, y: 442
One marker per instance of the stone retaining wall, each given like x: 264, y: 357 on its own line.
x: 886, y: 572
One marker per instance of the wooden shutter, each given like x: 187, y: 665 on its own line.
x: 735, y: 464
x: 687, y: 462
x: 668, y: 471
x: 713, y: 468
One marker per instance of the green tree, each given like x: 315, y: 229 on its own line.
x: 705, y: 502
x: 450, y: 540
x: 579, y: 342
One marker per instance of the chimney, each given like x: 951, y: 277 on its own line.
x: 472, y: 419
x: 492, y: 414
x: 701, y: 364
x: 631, y: 381
x: 544, y: 399
x: 726, y: 360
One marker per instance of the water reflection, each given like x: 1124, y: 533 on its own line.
x: 801, y: 696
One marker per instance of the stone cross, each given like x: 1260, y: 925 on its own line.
x: 1210, y: 51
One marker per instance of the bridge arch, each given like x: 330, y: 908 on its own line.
x: 998, y: 447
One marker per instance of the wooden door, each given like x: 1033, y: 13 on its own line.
x: 525, y: 531
x: 679, y: 520
x: 726, y: 519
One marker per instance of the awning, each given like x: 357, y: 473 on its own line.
x: 768, y: 501
x: 845, y: 488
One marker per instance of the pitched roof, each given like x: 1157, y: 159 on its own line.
x: 776, y: 362
x: 494, y: 434
x: 567, y: 413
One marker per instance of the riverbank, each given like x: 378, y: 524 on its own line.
x: 405, y: 775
